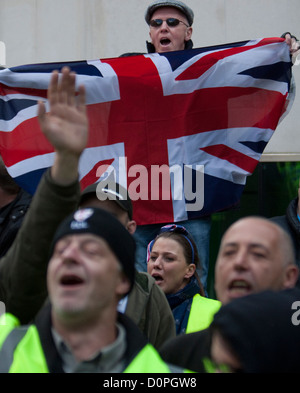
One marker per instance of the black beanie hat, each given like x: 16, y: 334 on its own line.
x: 105, y: 225
x: 263, y: 330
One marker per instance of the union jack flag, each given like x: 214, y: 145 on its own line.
x: 211, y: 110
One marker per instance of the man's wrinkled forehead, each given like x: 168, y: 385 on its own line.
x: 251, y: 231
x: 168, y: 12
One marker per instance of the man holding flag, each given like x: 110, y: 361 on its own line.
x: 170, y: 23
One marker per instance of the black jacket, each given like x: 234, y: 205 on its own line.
x: 11, y: 218
x: 188, y: 350
x: 291, y: 224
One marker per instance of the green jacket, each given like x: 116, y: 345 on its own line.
x: 23, y: 269
x: 31, y: 349
x: 148, y: 307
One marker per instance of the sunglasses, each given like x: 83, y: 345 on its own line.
x: 171, y: 22
x: 174, y: 228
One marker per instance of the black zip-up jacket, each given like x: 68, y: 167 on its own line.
x: 11, y: 218
x: 291, y: 224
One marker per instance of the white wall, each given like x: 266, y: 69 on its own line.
x: 63, y: 30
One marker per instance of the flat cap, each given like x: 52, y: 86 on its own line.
x: 187, y: 11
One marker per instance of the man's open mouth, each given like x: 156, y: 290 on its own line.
x: 240, y: 287
x: 165, y: 41
x: 71, y: 280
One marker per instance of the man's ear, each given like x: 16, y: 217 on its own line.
x: 291, y: 276
x: 188, y: 34
x: 150, y: 36
x: 123, y: 286
x: 131, y: 226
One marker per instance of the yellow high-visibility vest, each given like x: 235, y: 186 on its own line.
x: 202, y: 313
x: 21, y: 352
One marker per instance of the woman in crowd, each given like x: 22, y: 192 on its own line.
x: 172, y: 261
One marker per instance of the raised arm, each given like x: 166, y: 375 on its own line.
x: 23, y: 269
x: 65, y: 126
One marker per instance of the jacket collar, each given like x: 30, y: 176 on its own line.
x: 134, y: 338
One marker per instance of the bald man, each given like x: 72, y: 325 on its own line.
x: 255, y: 255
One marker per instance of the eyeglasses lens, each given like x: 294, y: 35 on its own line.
x: 171, y: 22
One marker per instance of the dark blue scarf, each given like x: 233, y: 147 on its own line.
x: 181, y: 302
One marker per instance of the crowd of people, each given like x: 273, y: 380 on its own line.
x: 78, y: 301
